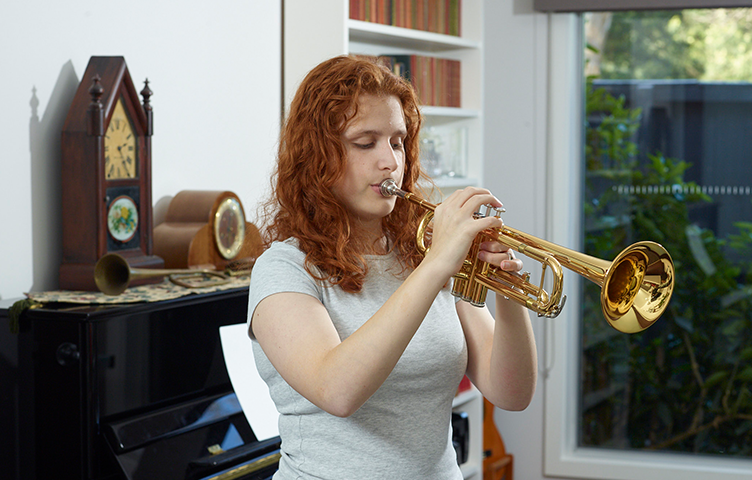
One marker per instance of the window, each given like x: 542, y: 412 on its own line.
x: 666, y: 156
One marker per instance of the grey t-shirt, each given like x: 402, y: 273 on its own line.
x: 403, y: 431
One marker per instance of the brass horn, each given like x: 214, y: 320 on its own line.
x: 635, y: 287
x: 112, y: 274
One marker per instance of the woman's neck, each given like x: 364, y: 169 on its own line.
x: 379, y: 246
x: 370, y: 236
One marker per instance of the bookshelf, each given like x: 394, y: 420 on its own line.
x: 316, y: 31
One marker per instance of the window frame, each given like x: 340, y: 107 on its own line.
x: 562, y: 456
x: 614, y: 5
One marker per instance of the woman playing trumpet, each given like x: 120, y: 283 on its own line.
x: 354, y: 331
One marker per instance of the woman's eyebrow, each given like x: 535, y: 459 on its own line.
x: 399, y: 131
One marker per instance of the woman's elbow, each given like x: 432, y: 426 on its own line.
x: 515, y: 400
x: 340, y: 411
x: 339, y: 405
x: 517, y: 405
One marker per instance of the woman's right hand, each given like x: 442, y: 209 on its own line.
x: 455, y: 227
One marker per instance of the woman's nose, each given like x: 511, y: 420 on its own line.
x: 388, y: 157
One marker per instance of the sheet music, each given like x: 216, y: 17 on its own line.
x: 252, y: 392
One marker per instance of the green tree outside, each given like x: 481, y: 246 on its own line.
x: 685, y: 384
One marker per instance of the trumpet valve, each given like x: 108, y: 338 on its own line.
x: 489, y: 211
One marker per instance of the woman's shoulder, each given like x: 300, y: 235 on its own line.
x: 280, y: 255
x: 288, y: 243
x: 282, y: 262
x: 288, y: 248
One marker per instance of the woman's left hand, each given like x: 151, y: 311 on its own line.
x: 499, y: 255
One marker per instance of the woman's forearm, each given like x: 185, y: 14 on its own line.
x: 514, y: 359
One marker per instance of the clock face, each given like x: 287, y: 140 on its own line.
x: 229, y: 228
x: 120, y: 148
x: 122, y: 218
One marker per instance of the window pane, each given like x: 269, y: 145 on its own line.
x: 668, y: 158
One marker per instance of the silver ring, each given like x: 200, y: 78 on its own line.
x: 510, y: 253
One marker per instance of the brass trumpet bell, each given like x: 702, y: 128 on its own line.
x: 112, y: 274
x: 636, y: 286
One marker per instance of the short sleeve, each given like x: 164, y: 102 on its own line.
x: 281, y: 268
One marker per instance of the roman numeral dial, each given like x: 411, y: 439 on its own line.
x: 120, y: 148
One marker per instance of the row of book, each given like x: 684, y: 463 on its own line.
x: 437, y: 80
x: 437, y: 16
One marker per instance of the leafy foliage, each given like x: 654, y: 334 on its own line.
x: 704, y: 44
x: 685, y: 384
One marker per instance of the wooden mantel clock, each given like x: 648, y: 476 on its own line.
x: 106, y: 174
x: 203, y: 228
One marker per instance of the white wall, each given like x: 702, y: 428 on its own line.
x: 214, y: 67
x: 516, y: 46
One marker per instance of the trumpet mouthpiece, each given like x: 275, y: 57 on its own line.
x: 389, y: 187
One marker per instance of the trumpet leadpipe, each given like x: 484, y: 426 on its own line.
x: 389, y: 188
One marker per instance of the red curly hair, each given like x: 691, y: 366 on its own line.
x: 312, y: 158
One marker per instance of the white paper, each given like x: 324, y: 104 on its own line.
x: 251, y: 390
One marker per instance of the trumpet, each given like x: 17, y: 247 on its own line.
x: 113, y: 274
x: 635, y: 287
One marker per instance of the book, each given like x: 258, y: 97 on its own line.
x: 436, y: 80
x: 437, y: 16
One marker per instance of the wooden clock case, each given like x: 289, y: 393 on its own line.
x: 86, y: 190
x: 186, y: 237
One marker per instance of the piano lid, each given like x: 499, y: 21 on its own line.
x: 206, y: 438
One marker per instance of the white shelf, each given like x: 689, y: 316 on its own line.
x: 465, y: 397
x: 449, y: 113
x: 375, y: 33
x: 470, y: 471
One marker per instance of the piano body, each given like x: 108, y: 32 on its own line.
x: 129, y: 392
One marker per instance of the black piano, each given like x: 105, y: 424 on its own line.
x: 126, y: 392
